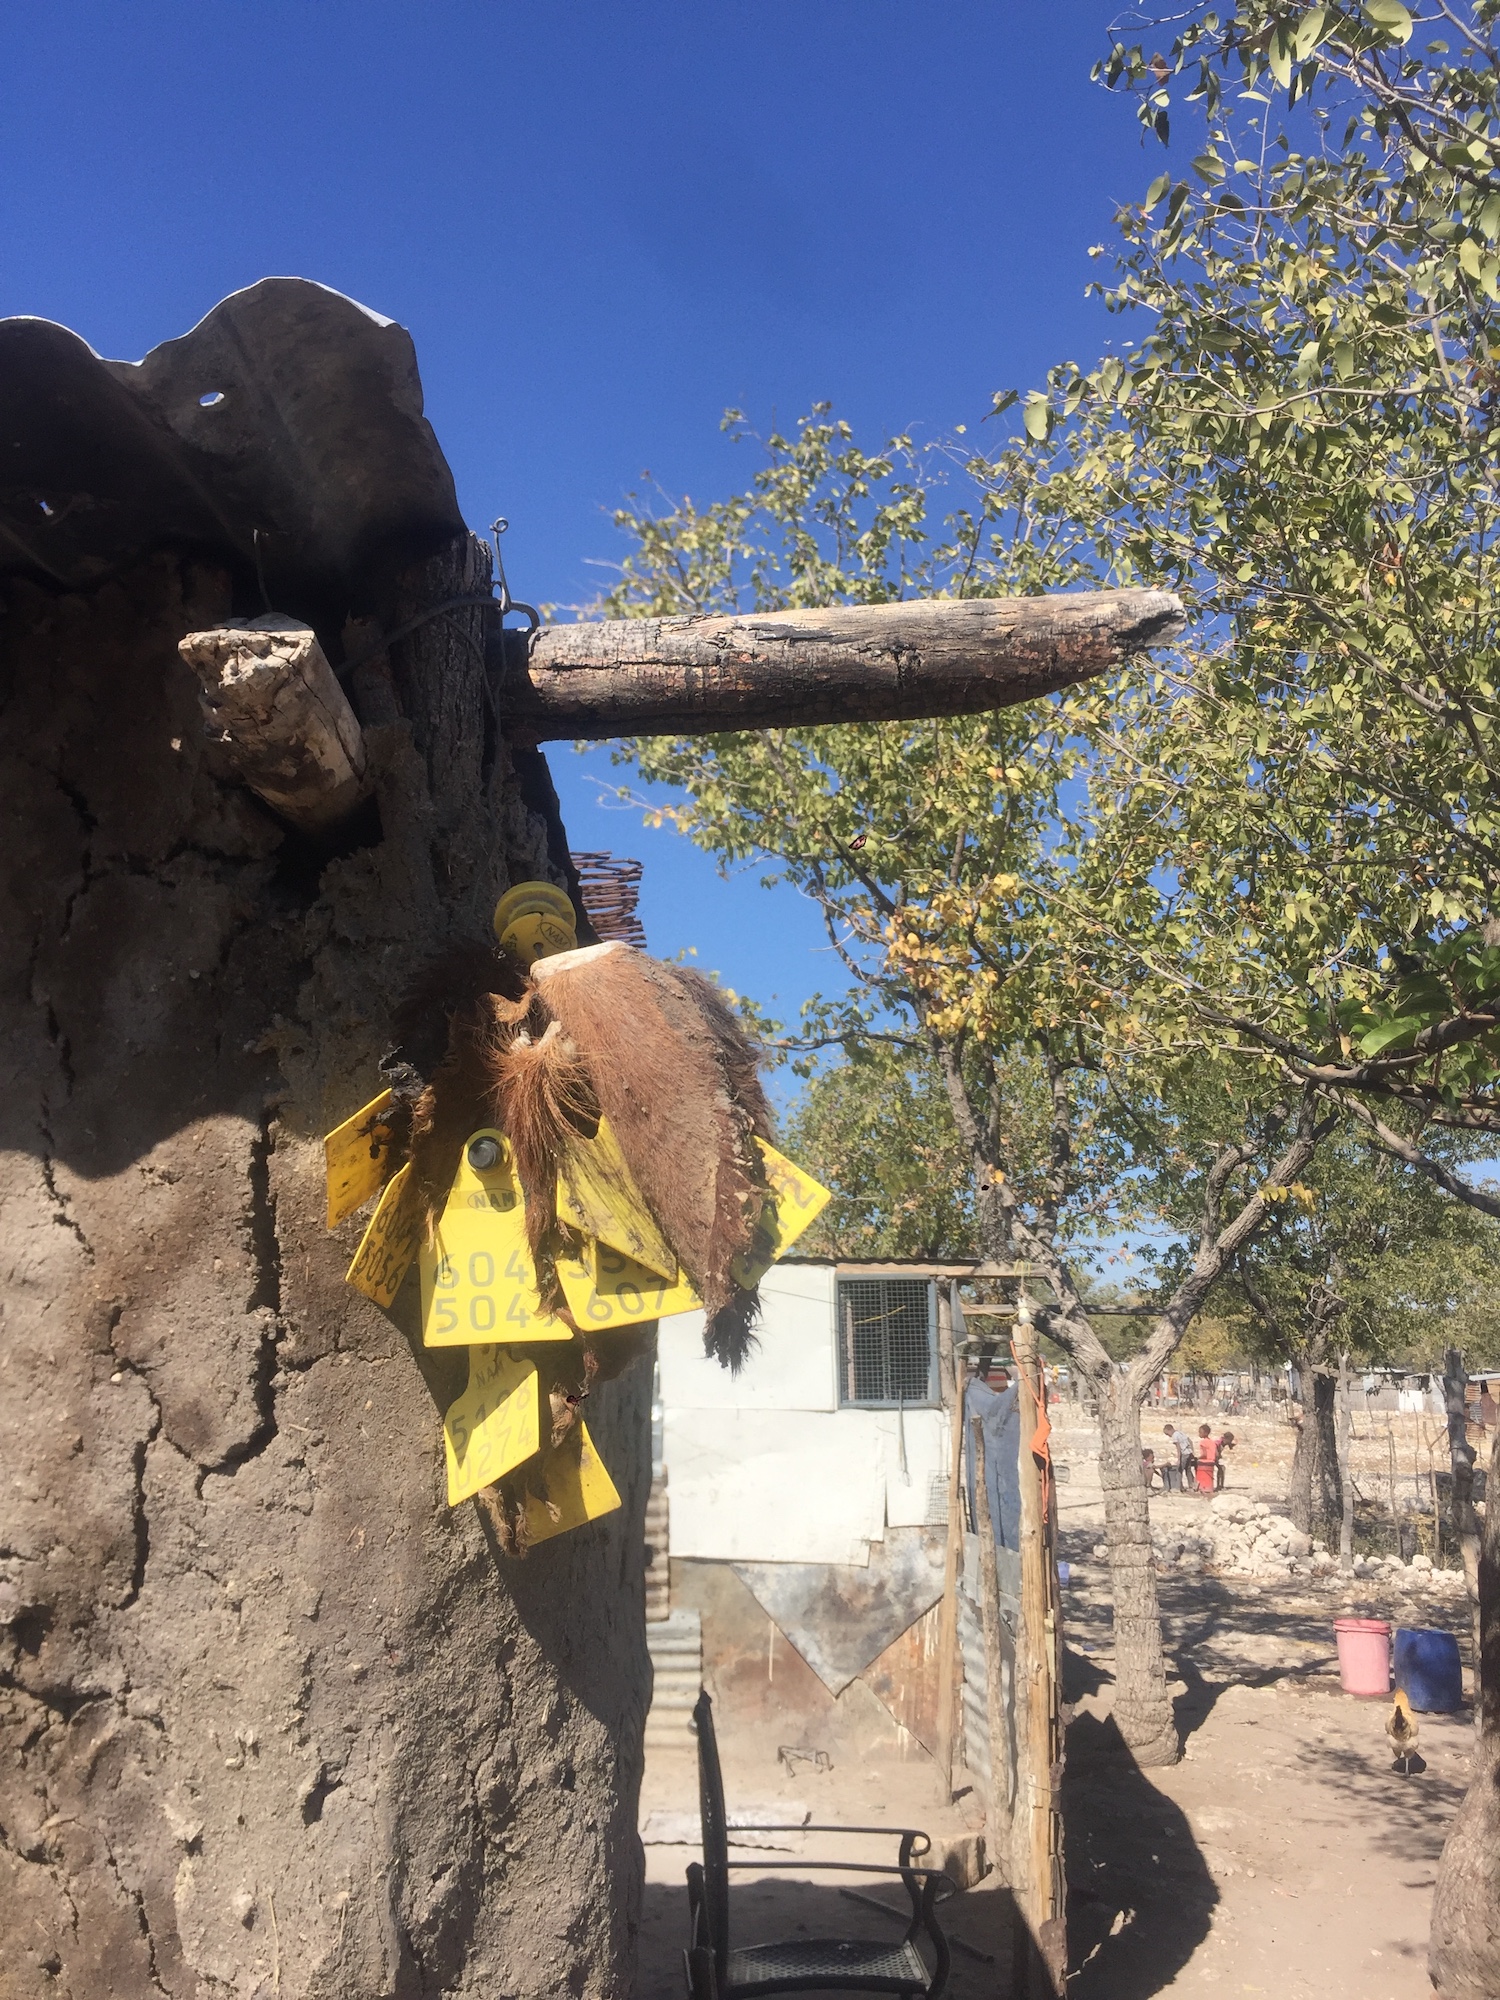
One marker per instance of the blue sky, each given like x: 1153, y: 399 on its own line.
x: 602, y: 224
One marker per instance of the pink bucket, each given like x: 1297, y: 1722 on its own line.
x: 1364, y: 1656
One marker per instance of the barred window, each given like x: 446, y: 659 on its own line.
x: 887, y: 1343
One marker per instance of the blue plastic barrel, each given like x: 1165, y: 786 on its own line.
x: 1427, y: 1666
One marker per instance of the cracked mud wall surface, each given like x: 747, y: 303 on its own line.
x: 273, y: 1719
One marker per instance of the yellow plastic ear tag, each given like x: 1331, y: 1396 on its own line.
x: 608, y: 1289
x: 795, y: 1202
x: 478, y: 1278
x: 389, y: 1243
x: 581, y: 1491
x: 356, y: 1154
x: 494, y: 1424
x: 597, y: 1193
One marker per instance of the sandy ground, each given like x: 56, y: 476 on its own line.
x: 1284, y: 1855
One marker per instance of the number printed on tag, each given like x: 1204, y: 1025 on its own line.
x: 795, y: 1202
x: 389, y: 1243
x: 479, y: 1284
x: 581, y: 1489
x: 611, y: 1289
x: 494, y: 1425
x: 356, y: 1154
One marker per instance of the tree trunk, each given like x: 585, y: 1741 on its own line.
x: 274, y: 1720
x: 1346, y: 1477
x: 1463, y: 1520
x: 1464, y: 1948
x: 1316, y: 1493
x: 1142, y: 1706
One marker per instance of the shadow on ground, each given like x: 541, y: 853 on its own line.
x: 1140, y: 1894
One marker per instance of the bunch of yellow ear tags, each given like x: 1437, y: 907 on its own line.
x: 480, y: 1291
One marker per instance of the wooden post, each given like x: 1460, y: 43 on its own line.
x: 848, y: 663
x: 948, y: 1680
x: 1036, y: 1828
x: 1390, y: 1444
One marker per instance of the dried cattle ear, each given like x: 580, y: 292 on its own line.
x: 675, y: 1076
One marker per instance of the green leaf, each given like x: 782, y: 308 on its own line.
x: 1156, y: 190
x: 1392, y: 17
x: 1310, y: 30
x: 1037, y: 416
x: 1375, y: 1041
x: 1279, y: 55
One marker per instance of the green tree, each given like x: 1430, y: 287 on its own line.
x: 1304, y: 442
x: 1316, y: 410
x: 980, y: 899
x: 878, y: 1131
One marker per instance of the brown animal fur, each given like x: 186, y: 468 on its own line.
x: 676, y: 1080
x: 739, y: 1055
x: 543, y: 1097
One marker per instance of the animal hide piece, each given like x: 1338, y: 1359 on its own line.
x: 675, y: 1075
x: 541, y: 1054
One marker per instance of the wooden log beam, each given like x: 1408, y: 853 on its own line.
x: 851, y: 663
x: 270, y: 700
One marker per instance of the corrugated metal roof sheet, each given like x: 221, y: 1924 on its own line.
x: 287, y: 425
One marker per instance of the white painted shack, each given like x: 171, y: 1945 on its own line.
x: 806, y: 1507
x: 832, y: 1433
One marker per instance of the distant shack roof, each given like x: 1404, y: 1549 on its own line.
x: 911, y: 1267
x: 284, y: 434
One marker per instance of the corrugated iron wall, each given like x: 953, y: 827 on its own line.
x: 976, y: 1712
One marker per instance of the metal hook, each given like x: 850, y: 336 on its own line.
x: 506, y: 602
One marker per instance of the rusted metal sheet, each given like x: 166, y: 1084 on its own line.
x: 841, y: 1619
x: 976, y: 1721
x: 906, y: 1678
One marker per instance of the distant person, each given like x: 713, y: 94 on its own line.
x: 1185, y: 1455
x: 1226, y: 1444
x: 1148, y: 1466
x: 1205, y: 1464
x: 1168, y: 1466
x: 1179, y: 1456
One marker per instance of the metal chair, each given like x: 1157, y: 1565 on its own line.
x: 803, y: 1965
